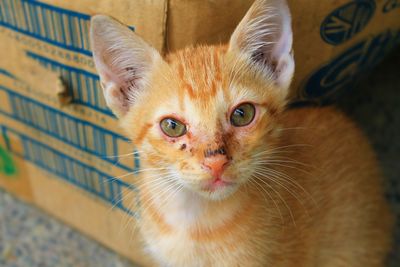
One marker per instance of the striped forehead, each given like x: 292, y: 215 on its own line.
x: 200, y: 72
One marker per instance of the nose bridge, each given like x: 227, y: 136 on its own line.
x: 218, y: 149
x: 213, y: 148
x: 215, y: 144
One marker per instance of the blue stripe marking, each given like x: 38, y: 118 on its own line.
x: 54, y: 31
x: 65, y: 127
x: 78, y: 80
x: 77, y: 173
x: 5, y: 138
x: 7, y: 73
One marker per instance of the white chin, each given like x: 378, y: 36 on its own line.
x: 220, y: 193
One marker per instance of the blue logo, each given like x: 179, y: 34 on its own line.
x: 346, y: 21
x: 341, y: 72
x: 390, y: 5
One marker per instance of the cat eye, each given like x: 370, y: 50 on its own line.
x: 243, y: 115
x: 172, y: 127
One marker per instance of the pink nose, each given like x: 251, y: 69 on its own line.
x: 216, y: 164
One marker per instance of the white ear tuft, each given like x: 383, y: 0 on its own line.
x: 264, y: 37
x: 123, y: 60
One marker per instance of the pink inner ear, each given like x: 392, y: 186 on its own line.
x: 122, y: 74
x: 108, y: 71
x: 123, y: 60
x: 283, y: 45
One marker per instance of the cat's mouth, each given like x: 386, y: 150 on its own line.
x: 217, y: 184
x: 218, y: 188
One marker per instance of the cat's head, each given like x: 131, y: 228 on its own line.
x: 203, y: 116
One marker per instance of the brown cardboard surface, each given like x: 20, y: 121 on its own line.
x: 147, y: 17
x: 14, y: 173
x: 108, y: 225
x: 202, y: 22
x: 212, y: 22
x: 71, y: 159
x: 311, y: 52
x: 63, y: 174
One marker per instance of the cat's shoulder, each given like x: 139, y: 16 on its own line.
x: 318, y: 118
x: 324, y: 128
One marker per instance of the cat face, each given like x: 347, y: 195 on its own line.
x: 203, y: 114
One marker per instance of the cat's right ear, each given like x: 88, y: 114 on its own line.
x: 123, y: 60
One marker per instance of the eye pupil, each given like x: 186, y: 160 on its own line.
x: 172, y: 124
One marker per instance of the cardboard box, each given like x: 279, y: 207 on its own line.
x: 62, y: 156
x: 336, y: 41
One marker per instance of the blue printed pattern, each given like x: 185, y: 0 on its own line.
x: 81, y: 175
x: 342, y: 71
x: 85, y: 86
x: 390, y: 5
x: 75, y: 132
x: 6, y: 73
x: 54, y: 25
x: 346, y: 21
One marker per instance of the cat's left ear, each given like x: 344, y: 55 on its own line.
x: 264, y: 37
x: 123, y: 60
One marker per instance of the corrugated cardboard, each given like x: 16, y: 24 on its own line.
x: 335, y: 41
x: 59, y: 143
x: 64, y: 158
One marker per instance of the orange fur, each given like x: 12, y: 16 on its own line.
x: 345, y: 221
x: 305, y: 187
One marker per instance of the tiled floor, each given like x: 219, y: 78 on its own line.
x: 30, y: 238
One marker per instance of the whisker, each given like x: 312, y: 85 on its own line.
x: 279, y: 148
x: 156, y: 187
x: 122, y: 155
x: 279, y: 195
x: 275, y: 204
x: 277, y: 163
x: 293, y: 128
x: 279, y: 181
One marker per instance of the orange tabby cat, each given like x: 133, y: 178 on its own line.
x: 230, y: 177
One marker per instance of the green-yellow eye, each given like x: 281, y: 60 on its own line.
x: 172, y: 127
x: 243, y: 115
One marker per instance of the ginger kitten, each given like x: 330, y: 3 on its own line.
x: 230, y: 176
